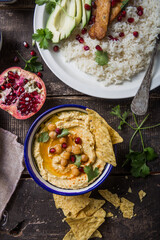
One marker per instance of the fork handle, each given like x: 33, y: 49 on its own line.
x: 139, y: 104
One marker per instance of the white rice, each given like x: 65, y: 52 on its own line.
x: 127, y: 56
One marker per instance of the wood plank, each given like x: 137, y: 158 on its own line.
x: 19, y: 4
x: 33, y: 210
x: 103, y: 107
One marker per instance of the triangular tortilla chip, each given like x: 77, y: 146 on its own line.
x: 110, y: 197
x: 104, y: 146
x: 70, y: 235
x: 71, y: 205
x: 126, y: 208
x: 100, y: 213
x: 84, y: 228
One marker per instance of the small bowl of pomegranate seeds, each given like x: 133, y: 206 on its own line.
x: 69, y: 150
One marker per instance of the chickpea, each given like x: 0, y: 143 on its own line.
x: 64, y: 162
x: 62, y: 140
x: 51, y: 127
x: 84, y: 158
x: 52, y: 135
x: 58, y: 149
x: 69, y: 149
x: 75, y: 172
x: 76, y: 149
x: 66, y: 155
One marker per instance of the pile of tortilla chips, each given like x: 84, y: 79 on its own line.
x: 83, y: 214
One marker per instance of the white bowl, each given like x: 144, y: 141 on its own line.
x: 32, y: 167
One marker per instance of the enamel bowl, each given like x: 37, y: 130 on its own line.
x: 32, y: 167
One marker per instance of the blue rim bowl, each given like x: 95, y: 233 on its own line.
x: 32, y: 167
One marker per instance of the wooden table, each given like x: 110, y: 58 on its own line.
x: 32, y: 214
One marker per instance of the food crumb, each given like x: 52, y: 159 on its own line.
x: 129, y: 190
x: 126, y: 177
x: 141, y: 194
x: 109, y: 214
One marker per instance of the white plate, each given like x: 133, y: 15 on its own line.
x: 69, y: 73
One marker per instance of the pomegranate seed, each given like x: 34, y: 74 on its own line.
x: 115, y: 39
x: 119, y: 19
x: 113, y: 3
x: 34, y: 93
x: 25, y: 81
x: 90, y: 22
x: 121, y: 34
x: 8, y: 85
x: 16, y: 87
x: 123, y: 13
x: 16, y: 76
x: 81, y: 169
x: 135, y: 34
x: 10, y: 73
x: 78, y: 140
x: 140, y: 8
x: 140, y: 13
x: 81, y: 40
x: 99, y: 48
x: 78, y: 37
x: 55, y: 48
x: 52, y: 150
x: 21, y: 90
x: 84, y: 30
x: 73, y: 158
x: 130, y: 20
x: 93, y: 18
x: 26, y: 45
x: 33, y: 53
x: 111, y: 37
x: 58, y: 131
x: 39, y: 74
x: 86, y: 48
x: 3, y: 87
x: 39, y: 85
x: 16, y: 59
x: 94, y: 5
x: 64, y: 145
x: 87, y: 7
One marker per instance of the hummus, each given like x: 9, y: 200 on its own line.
x: 65, y: 149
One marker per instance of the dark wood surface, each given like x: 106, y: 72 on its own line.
x: 32, y: 214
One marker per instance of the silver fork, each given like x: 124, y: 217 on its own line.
x: 139, y: 104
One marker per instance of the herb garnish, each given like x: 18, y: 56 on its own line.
x: 43, y: 137
x: 78, y: 160
x: 101, y: 58
x: 124, y: 3
x: 64, y: 133
x: 91, y: 173
x: 50, y: 4
x: 32, y: 65
x: 137, y: 160
x: 43, y: 36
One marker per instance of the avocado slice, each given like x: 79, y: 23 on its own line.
x: 62, y: 20
x: 88, y: 12
x: 78, y: 16
x: 84, y: 17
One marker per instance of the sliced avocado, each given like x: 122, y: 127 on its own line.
x: 78, y: 17
x: 84, y: 17
x: 62, y: 20
x: 88, y: 12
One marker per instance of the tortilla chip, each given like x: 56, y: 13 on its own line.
x: 129, y: 190
x: 141, y: 194
x: 70, y: 235
x: 84, y: 228
x: 100, y: 213
x: 104, y: 147
x: 126, y: 208
x: 110, y: 197
x: 71, y: 205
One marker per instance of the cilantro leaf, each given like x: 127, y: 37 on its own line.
x: 101, y: 58
x: 124, y: 2
x: 43, y: 36
x: 150, y: 154
x: 91, y: 173
x: 40, y: 2
x: 43, y: 137
x: 116, y: 111
x: 33, y: 66
x: 78, y: 160
x: 64, y: 133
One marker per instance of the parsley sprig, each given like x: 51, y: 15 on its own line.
x: 50, y: 4
x: 43, y: 36
x: 138, y: 160
x: 32, y: 65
